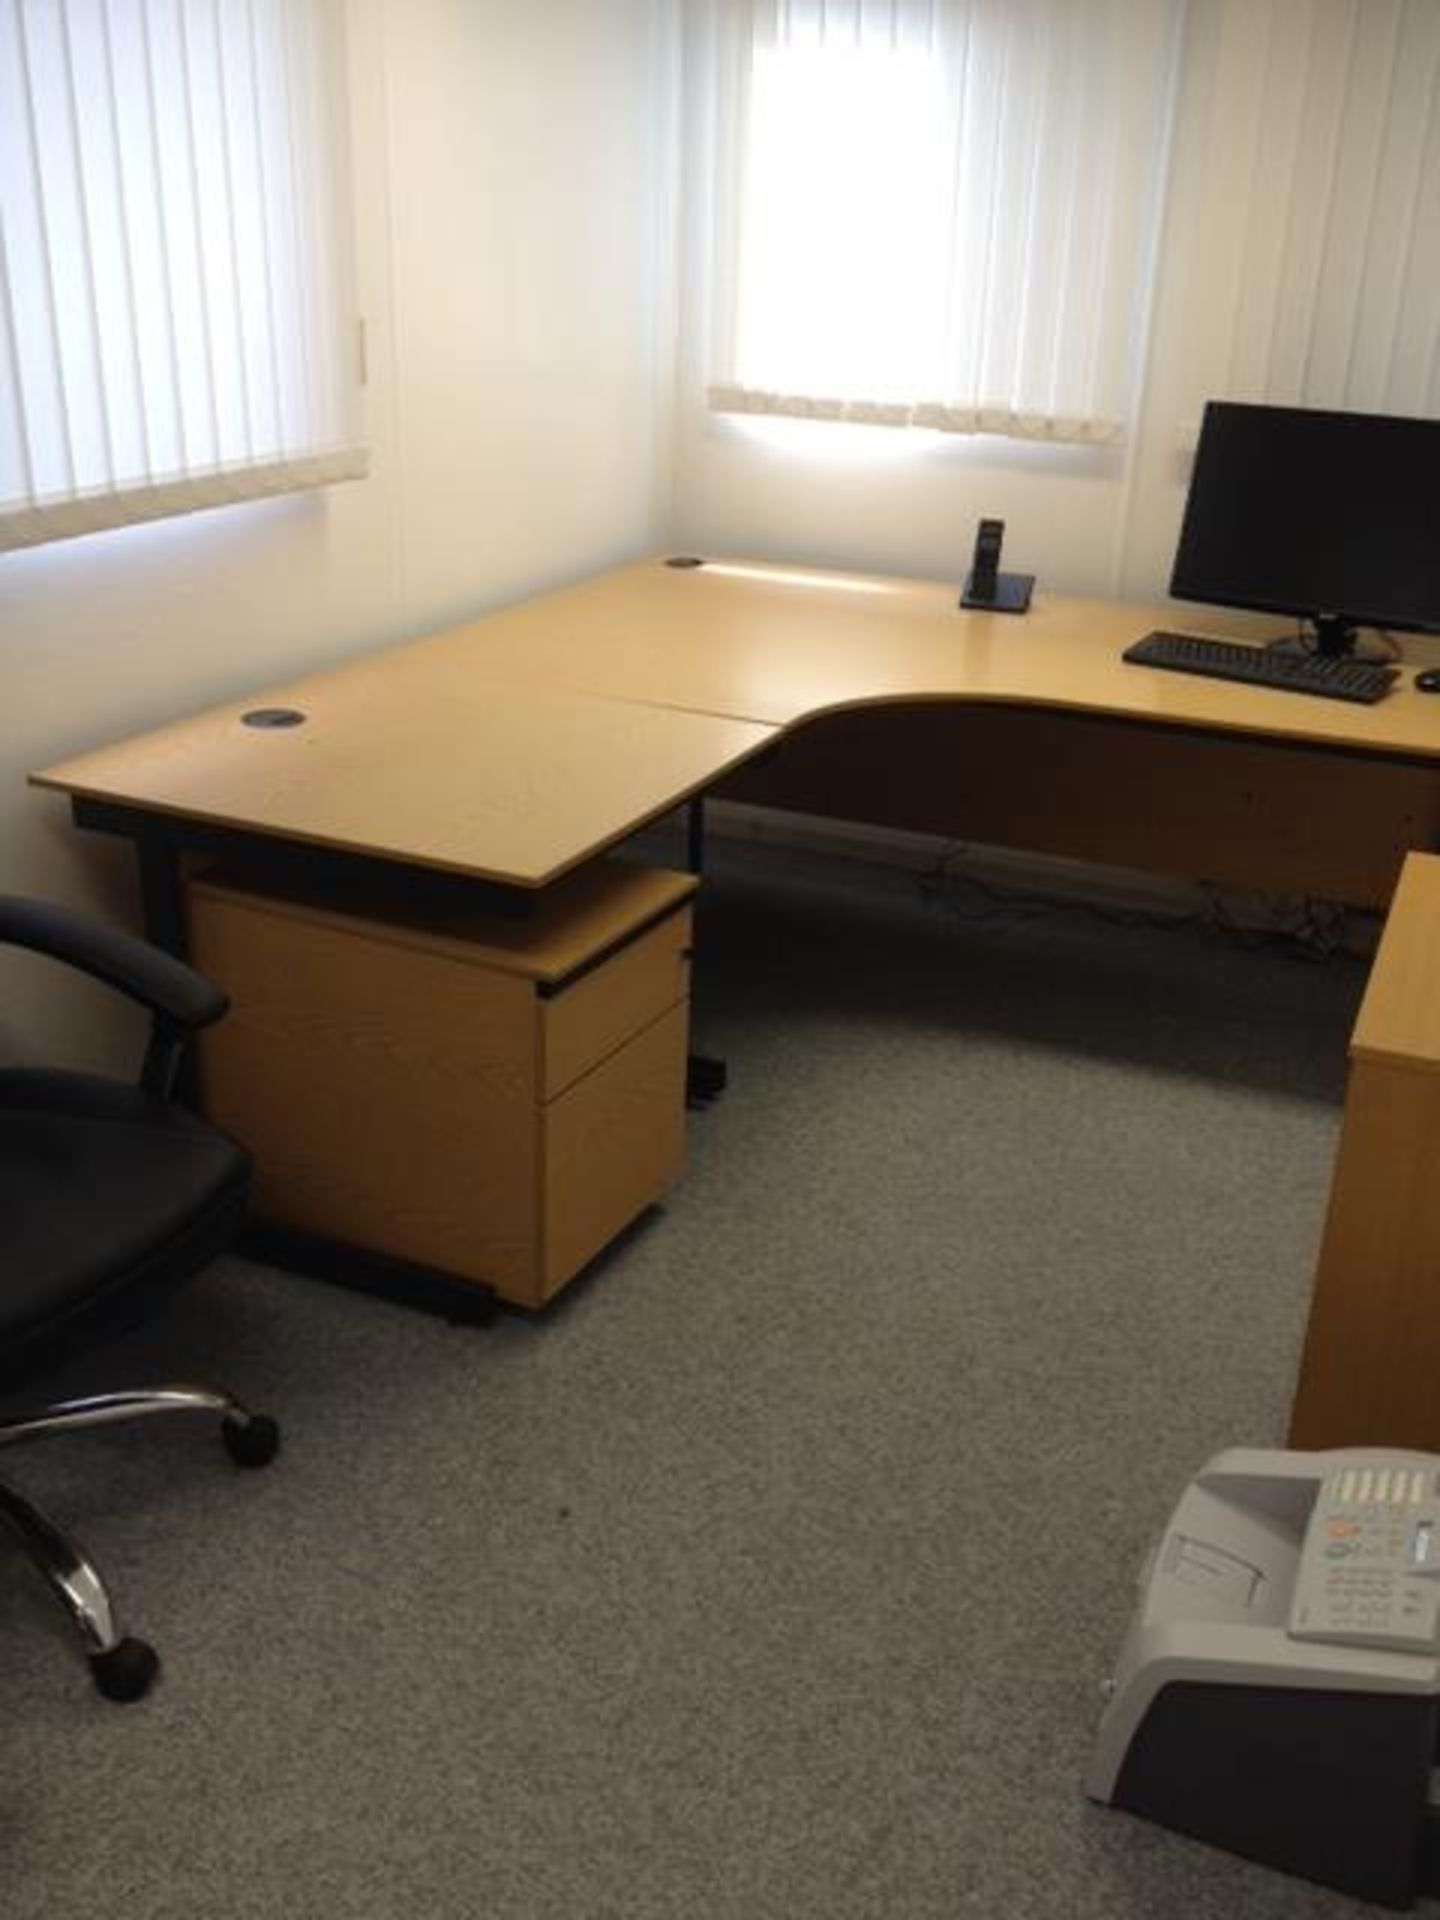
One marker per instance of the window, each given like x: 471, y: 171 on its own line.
x: 177, y: 313
x: 939, y: 213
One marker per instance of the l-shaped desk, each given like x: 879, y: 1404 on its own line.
x: 499, y: 755
x: 516, y: 746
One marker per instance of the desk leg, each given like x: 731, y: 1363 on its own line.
x: 162, y: 895
x: 170, y: 1066
x: 695, y: 834
x: 705, y: 1077
x: 705, y: 1074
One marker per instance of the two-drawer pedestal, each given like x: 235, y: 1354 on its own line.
x: 494, y: 1098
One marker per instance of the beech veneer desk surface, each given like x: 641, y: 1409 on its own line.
x: 515, y: 746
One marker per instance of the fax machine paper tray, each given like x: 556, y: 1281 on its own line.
x: 1228, y: 1722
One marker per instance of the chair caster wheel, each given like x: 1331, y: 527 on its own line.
x: 253, y: 1445
x: 125, y: 1671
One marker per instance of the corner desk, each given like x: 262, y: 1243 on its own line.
x: 486, y: 762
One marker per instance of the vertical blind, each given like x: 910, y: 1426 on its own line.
x: 177, y: 311
x: 939, y: 213
x: 1312, y: 204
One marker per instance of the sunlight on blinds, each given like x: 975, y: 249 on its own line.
x: 177, y: 311
x: 940, y: 212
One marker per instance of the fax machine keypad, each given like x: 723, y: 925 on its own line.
x: 1364, y: 1579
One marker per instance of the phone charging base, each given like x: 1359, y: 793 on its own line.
x: 1011, y: 594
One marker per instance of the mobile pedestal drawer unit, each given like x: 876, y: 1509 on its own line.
x: 492, y: 1098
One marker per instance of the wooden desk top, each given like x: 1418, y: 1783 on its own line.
x: 515, y: 746
x: 510, y: 783
x: 757, y: 641
x: 1399, y: 1019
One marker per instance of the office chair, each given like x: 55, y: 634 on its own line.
x: 111, y: 1195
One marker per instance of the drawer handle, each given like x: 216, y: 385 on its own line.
x: 552, y: 989
x: 556, y: 989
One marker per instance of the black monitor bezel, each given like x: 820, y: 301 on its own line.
x: 1349, y: 616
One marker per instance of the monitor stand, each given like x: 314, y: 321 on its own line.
x: 1330, y: 636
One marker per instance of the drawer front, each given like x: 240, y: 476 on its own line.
x: 585, y: 1022
x: 613, y: 1144
x: 387, y: 1094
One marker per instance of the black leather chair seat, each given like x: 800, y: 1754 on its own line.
x: 111, y: 1196
x: 95, y: 1176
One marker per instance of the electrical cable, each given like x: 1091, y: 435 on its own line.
x: 1304, y: 927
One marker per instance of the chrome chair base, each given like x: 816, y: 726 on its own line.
x: 122, y: 1667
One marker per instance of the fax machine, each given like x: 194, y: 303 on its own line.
x: 1279, y: 1687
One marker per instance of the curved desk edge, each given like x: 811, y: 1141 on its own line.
x: 512, y: 748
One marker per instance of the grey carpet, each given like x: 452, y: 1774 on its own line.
x: 776, y: 1572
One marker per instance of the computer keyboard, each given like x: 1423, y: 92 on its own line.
x: 1335, y: 679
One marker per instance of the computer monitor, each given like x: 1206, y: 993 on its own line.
x: 1334, y: 517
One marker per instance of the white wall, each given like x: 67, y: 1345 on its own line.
x: 511, y: 168
x: 887, y: 501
